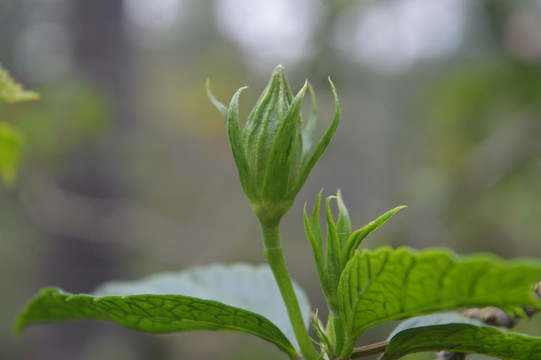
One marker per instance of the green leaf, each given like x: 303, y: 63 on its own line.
x: 344, y: 223
x: 326, y: 345
x: 315, y: 238
x: 150, y: 313
x: 332, y: 267
x: 453, y: 332
x: 328, y: 266
x: 11, y: 142
x: 241, y: 285
x: 307, y: 166
x: 385, y: 284
x: 355, y: 239
x: 11, y: 92
x: 442, y: 318
x: 238, y: 297
x: 286, y: 152
x: 234, y: 135
x: 264, y: 121
x: 309, y: 131
x: 217, y: 103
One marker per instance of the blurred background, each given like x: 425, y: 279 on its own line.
x: 127, y: 170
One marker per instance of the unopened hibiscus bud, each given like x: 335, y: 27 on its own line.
x: 272, y: 152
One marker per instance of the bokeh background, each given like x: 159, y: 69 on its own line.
x: 127, y: 170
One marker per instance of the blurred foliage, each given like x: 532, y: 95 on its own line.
x: 70, y: 117
x: 471, y: 102
x: 11, y: 141
x: 11, y: 92
x: 485, y: 143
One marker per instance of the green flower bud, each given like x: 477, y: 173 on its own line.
x: 272, y: 153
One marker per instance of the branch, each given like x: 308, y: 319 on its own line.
x: 368, y: 350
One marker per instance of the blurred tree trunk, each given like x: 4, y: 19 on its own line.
x: 102, y: 56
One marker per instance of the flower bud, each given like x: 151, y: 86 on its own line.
x: 272, y: 153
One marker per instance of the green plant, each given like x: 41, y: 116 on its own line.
x: 362, y: 289
x: 11, y: 140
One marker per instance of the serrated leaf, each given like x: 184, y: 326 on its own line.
x: 246, y: 295
x: 11, y: 92
x: 453, y: 332
x: 241, y: 285
x: 11, y: 142
x: 385, y: 284
x: 150, y: 313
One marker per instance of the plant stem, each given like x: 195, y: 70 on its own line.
x: 339, y: 333
x: 275, y: 257
x: 347, y: 348
x: 368, y: 350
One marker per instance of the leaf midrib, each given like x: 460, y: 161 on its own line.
x: 441, y: 305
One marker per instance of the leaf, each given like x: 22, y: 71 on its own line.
x: 264, y: 121
x: 453, y: 332
x: 11, y: 142
x: 355, y: 239
x: 312, y: 229
x: 11, y: 92
x: 285, y: 153
x: 234, y: 134
x: 238, y: 297
x: 311, y: 161
x: 217, y: 103
x: 326, y: 345
x: 344, y: 223
x: 385, y: 284
x: 333, y: 269
x: 443, y: 318
x: 309, y: 131
x: 245, y: 286
x: 150, y: 313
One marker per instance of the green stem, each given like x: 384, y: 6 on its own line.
x: 339, y: 331
x: 275, y: 257
x: 347, y: 348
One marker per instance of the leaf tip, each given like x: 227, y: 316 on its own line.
x: 17, y: 329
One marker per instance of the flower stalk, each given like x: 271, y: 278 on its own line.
x: 275, y: 257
